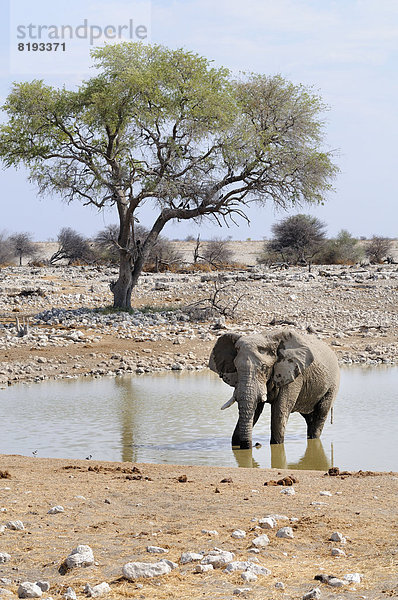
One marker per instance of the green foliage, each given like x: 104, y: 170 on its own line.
x: 342, y: 250
x: 167, y: 127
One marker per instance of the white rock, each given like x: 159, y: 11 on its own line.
x: 70, y: 594
x: 4, y: 557
x: 336, y: 582
x: 43, y: 585
x: 187, y: 557
x: 337, y: 537
x: 289, y: 491
x: 280, y: 585
x: 353, y: 577
x: 170, y: 563
x: 278, y: 517
x: 237, y: 565
x: 15, y: 525
x: 218, y: 558
x: 55, y: 510
x: 156, y: 550
x: 258, y: 569
x: 338, y: 552
x: 325, y: 493
x: 267, y: 523
x: 285, y: 532
x: 203, y: 568
x: 4, y: 592
x: 241, y: 591
x: 314, y: 593
x: 211, y: 532
x: 29, y: 590
x: 261, y: 541
x: 238, y: 534
x: 135, y: 570
x: 249, y: 576
x: 81, y: 556
x: 97, y: 590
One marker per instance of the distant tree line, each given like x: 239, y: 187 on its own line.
x: 296, y: 240
x: 301, y: 239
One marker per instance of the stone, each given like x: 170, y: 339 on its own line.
x: 56, y: 509
x: 237, y: 565
x: 289, y: 491
x: 238, y: 534
x: 338, y: 552
x: 203, y: 568
x: 337, y: 537
x: 285, y: 532
x: 136, y: 570
x: 352, y: 577
x: 81, y: 556
x: 15, y: 525
x: 241, y: 591
x: 4, y: 592
x: 43, y: 585
x: 97, y: 590
x: 70, y: 594
x: 249, y: 577
x: 29, y: 590
x: 187, y: 557
x: 325, y: 493
x: 218, y: 558
x: 211, y: 532
x: 279, y: 585
x: 261, y: 541
x: 258, y: 569
x: 315, y: 593
x: 4, y: 557
x: 156, y: 550
x: 267, y: 523
x: 336, y: 582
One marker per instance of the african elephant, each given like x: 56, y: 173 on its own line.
x: 293, y: 372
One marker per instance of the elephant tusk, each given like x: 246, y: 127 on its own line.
x: 228, y: 403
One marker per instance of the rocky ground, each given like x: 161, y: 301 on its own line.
x: 118, y: 530
x: 71, y: 333
x: 148, y: 517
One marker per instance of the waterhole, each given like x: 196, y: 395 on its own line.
x: 176, y: 418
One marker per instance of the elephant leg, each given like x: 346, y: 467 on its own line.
x: 280, y: 411
x: 257, y: 413
x: 316, y: 420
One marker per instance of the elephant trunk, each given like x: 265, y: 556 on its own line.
x: 247, y: 396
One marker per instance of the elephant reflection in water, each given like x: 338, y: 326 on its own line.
x: 314, y: 458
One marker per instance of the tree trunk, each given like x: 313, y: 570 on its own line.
x: 123, y: 287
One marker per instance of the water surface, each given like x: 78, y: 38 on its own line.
x: 176, y: 418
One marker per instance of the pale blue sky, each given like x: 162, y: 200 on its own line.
x: 346, y: 49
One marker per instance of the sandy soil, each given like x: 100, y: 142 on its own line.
x: 119, y: 512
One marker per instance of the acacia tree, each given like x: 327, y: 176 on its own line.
x: 297, y: 238
x: 22, y: 245
x: 165, y: 126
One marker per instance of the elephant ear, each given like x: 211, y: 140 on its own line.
x: 222, y: 358
x: 294, y: 356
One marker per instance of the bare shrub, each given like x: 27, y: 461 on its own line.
x: 22, y: 245
x: 73, y: 247
x: 378, y: 249
x: 5, y: 249
x: 217, y: 253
